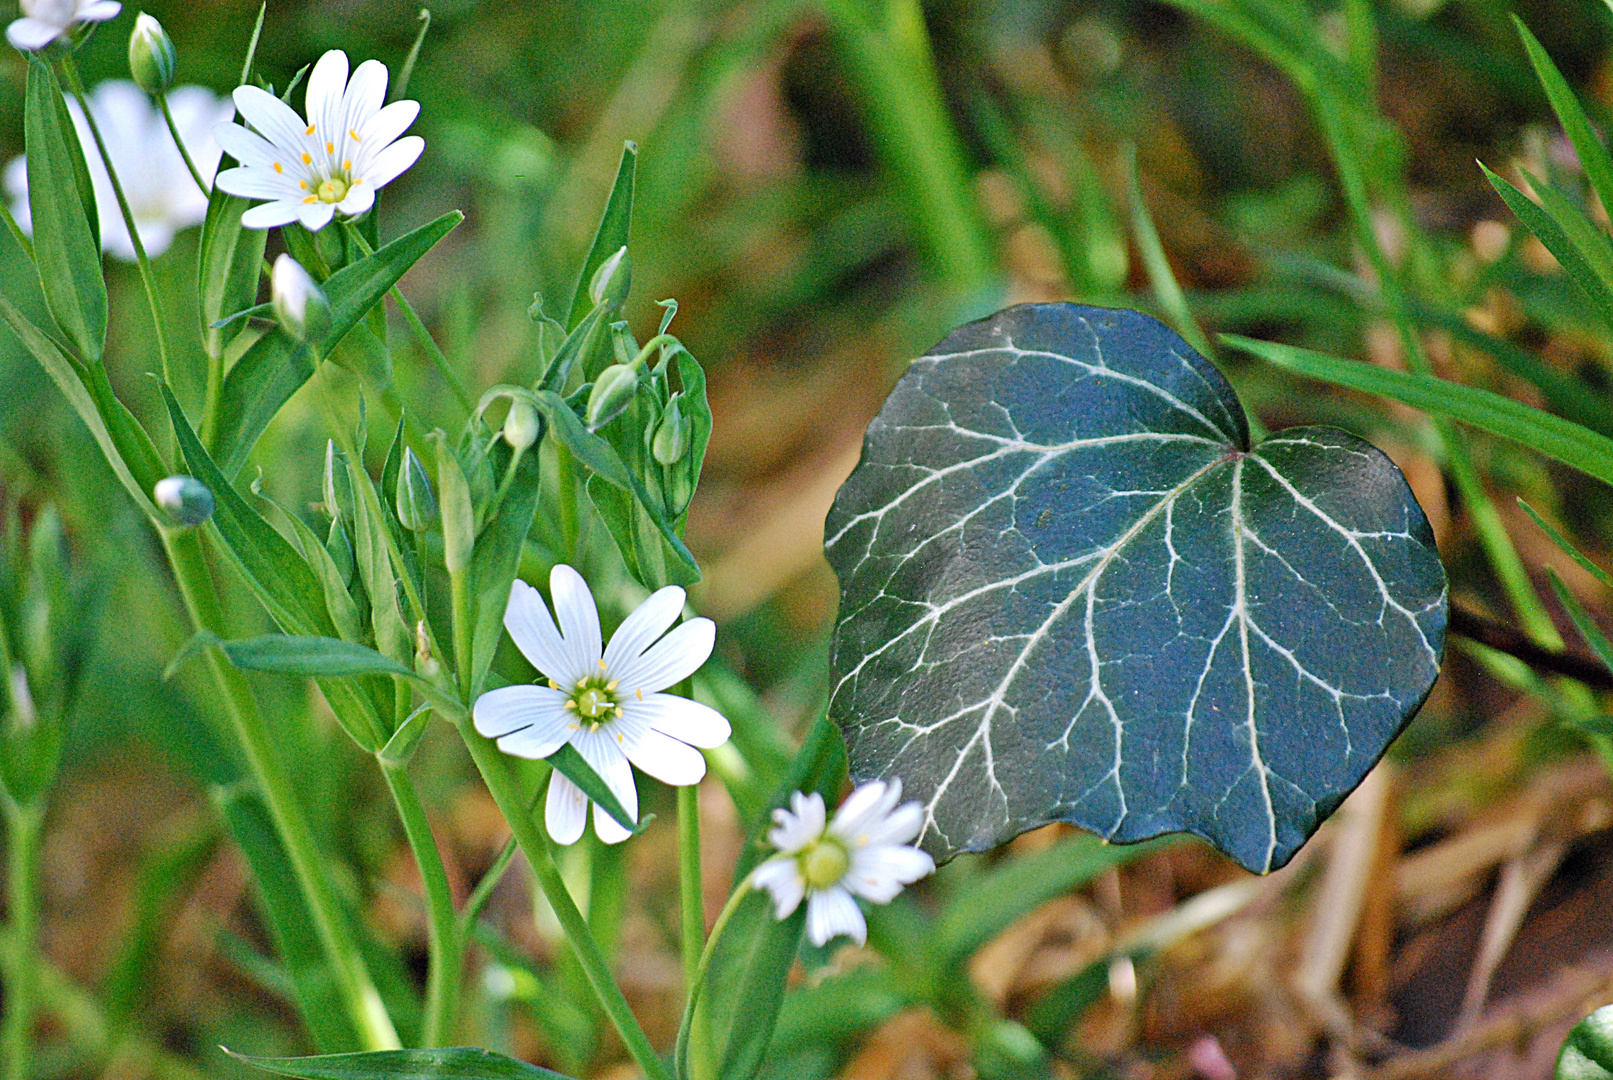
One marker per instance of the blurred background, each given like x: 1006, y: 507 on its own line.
x: 824, y: 209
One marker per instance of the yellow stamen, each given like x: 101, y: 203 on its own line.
x: 612, y: 685
x: 640, y: 694
x: 330, y: 148
x: 310, y: 130
x: 618, y: 712
x: 572, y: 705
x: 311, y: 198
x: 347, y: 165
x: 553, y: 685
x: 601, y: 663
x: 277, y: 168
x: 307, y: 159
x: 353, y: 133
x: 303, y: 184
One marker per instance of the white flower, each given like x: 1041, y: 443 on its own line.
x: 335, y: 159
x: 299, y: 303
x: 162, y: 196
x: 606, y: 703
x: 43, y: 21
x: 864, y: 851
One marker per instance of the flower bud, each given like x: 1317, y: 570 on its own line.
x: 675, y: 433
x: 522, y: 425
x: 152, y: 58
x: 613, y: 392
x: 612, y: 280
x: 184, y: 499
x: 338, y: 486
x: 299, y: 303
x: 417, y: 505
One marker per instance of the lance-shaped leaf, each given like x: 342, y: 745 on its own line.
x: 450, y: 1063
x: 275, y: 367
x: 611, y: 235
x: 1071, y: 591
x: 61, y: 199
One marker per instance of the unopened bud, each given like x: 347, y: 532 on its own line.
x: 521, y: 426
x: 417, y: 504
x: 338, y: 485
x: 612, y: 280
x: 613, y: 392
x: 458, y: 518
x: 424, y: 662
x: 152, y: 59
x: 300, y: 305
x: 184, y: 499
x: 673, y: 436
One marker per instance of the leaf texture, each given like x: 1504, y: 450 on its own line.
x: 1071, y: 591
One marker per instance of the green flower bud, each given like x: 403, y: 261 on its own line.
x: 522, y: 426
x: 417, y: 505
x: 458, y: 519
x: 612, y: 280
x: 184, y: 499
x: 675, y: 433
x: 613, y: 392
x: 300, y: 305
x: 152, y: 59
x: 338, y: 485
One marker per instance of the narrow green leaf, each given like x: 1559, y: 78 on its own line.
x: 611, y: 236
x: 586, y: 340
x: 291, y: 654
x: 496, y: 560
x: 372, y: 550
x: 601, y: 459
x: 400, y: 748
x: 61, y: 198
x: 339, y: 603
x: 1593, y: 156
x: 571, y: 764
x: 745, y: 984
x: 228, y: 265
x: 451, y: 1063
x: 1568, y: 549
x: 1553, y: 436
x: 275, y: 367
x: 1172, y: 301
x: 1582, y: 620
x: 1547, y: 229
x: 62, y: 371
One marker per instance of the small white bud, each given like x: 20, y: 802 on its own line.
x: 612, y: 280
x: 185, y: 499
x: 299, y: 303
x: 521, y: 426
x: 613, y: 392
x: 152, y: 57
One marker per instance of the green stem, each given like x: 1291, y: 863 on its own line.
x: 25, y: 825
x: 690, y: 894
x: 445, y: 942
x: 888, y: 57
x: 173, y: 129
x: 697, y: 982
x: 535, y: 844
x: 347, y: 968
x: 565, y: 473
x: 70, y: 70
x: 483, y: 892
x: 17, y: 234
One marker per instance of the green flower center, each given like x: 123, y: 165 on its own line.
x: 593, y: 699
x: 333, y: 190
x: 824, y: 863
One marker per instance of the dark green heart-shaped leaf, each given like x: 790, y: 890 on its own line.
x: 1070, y: 591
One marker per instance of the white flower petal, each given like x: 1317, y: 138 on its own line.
x: 326, y: 84
x: 316, y: 215
x: 900, y: 827
x: 639, y: 630
x: 605, y: 757
x: 360, y: 197
x: 864, y: 809
x: 366, y: 91
x: 579, y: 619
x: 527, y: 721
x: 379, y: 131
x: 878, y: 873
x: 684, y: 720
x: 272, y: 214
x: 607, y: 828
x: 273, y: 118
x: 385, y: 166
x: 253, y: 183
x: 832, y: 912
x: 249, y: 148
x: 565, y: 810
x: 781, y: 876
x: 32, y: 34
x: 155, y: 236
x: 666, y: 759
x: 670, y: 660
x: 799, y: 826
x: 532, y: 629
x: 100, y: 11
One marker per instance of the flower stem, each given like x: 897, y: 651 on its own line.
x: 691, y: 897
x: 173, y: 129
x: 25, y: 823
x: 70, y: 70
x: 352, y: 980
x: 535, y: 844
x: 21, y: 237
x: 445, y: 941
